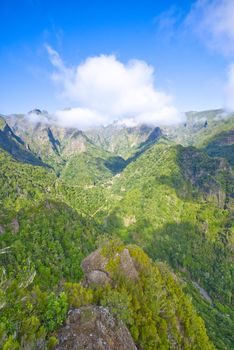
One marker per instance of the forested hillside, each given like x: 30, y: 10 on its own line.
x: 154, y: 205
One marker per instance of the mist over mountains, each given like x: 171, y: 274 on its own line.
x: 77, y: 205
x: 117, y: 137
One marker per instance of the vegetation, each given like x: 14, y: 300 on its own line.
x: 175, y: 202
x: 221, y: 145
x: 91, y: 167
x: 157, y: 312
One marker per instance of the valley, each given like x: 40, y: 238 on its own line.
x: 151, y: 205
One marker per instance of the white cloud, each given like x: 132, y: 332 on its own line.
x: 213, y: 20
x: 35, y: 118
x: 167, y: 23
x: 106, y: 89
x: 55, y: 58
x: 82, y: 118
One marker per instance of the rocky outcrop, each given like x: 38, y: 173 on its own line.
x: 94, y: 328
x: 127, y: 265
x: 94, y: 261
x: 97, y: 277
x: 96, y: 271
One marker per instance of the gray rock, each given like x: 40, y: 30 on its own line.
x: 94, y: 267
x: 94, y: 261
x: 94, y: 328
x: 127, y: 265
x: 97, y: 277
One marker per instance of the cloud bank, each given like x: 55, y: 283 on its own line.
x: 213, y: 20
x: 106, y: 90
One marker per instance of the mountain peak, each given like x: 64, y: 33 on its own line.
x: 37, y: 111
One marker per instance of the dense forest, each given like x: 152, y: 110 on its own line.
x: 151, y: 209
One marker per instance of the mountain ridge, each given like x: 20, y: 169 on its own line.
x: 174, y: 201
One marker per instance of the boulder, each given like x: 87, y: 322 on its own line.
x: 94, y: 267
x: 94, y: 328
x: 94, y: 261
x: 97, y: 277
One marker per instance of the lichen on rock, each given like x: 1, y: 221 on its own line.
x: 94, y: 328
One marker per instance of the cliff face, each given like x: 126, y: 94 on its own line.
x: 14, y: 145
x: 94, y: 328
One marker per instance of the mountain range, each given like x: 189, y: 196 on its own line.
x: 85, y: 216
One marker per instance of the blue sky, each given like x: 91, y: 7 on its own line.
x: 163, y: 34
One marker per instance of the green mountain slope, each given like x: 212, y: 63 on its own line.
x: 22, y: 184
x: 175, y: 202
x: 178, y: 203
x: 221, y: 145
x: 182, y: 190
x: 43, y: 241
x: 91, y: 166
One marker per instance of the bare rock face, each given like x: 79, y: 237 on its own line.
x: 127, y: 265
x: 94, y: 267
x: 97, y: 277
x: 94, y: 328
x: 94, y: 261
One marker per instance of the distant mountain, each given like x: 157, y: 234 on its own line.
x: 197, y: 130
x: 14, y: 145
x: 119, y: 139
x: 37, y: 129
x: 69, y: 151
x: 200, y: 126
x: 64, y: 192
